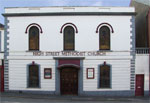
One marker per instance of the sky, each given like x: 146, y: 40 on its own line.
x: 35, y: 3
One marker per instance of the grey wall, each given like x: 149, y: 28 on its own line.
x: 141, y: 22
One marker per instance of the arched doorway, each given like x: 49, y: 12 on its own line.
x: 69, y: 81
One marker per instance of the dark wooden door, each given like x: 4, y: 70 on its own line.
x: 69, y: 81
x: 2, y: 78
x: 139, y: 90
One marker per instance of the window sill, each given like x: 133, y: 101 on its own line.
x: 33, y: 87
x: 104, y: 88
x: 69, y: 50
x: 33, y: 51
x: 105, y: 51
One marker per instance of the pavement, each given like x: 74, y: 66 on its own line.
x: 10, y: 97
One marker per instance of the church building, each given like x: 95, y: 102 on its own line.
x: 86, y: 51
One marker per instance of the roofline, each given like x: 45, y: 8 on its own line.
x: 70, y: 6
x: 68, y: 14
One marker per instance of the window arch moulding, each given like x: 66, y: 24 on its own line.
x: 104, y: 24
x: 69, y: 24
x: 34, y: 24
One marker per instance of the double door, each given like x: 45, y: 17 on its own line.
x: 69, y: 81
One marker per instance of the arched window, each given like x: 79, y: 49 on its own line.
x: 33, y: 79
x: 33, y: 38
x: 104, y: 76
x: 104, y: 38
x: 69, y: 38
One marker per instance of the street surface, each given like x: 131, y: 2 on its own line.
x: 29, y: 98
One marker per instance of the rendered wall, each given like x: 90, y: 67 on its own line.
x: 142, y: 67
x: 120, y: 75
x: 1, y: 40
x: 52, y: 40
x: 18, y: 75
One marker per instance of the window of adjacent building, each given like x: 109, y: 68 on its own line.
x: 69, y: 38
x: 104, y: 38
x: 104, y: 76
x: 33, y: 76
x: 34, y: 38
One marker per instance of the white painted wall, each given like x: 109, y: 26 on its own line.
x: 52, y: 40
x: 66, y: 9
x: 2, y: 44
x: 18, y: 75
x: 120, y: 75
x: 142, y: 67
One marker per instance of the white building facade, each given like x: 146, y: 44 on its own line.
x: 70, y: 50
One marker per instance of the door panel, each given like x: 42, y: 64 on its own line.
x: 69, y: 81
x: 2, y: 78
x: 139, y: 90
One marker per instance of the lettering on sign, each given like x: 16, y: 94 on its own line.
x: 70, y: 53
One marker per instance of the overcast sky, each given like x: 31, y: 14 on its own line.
x: 29, y: 3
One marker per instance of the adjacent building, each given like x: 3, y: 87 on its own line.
x: 142, y: 25
x: 1, y: 57
x: 142, y: 8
